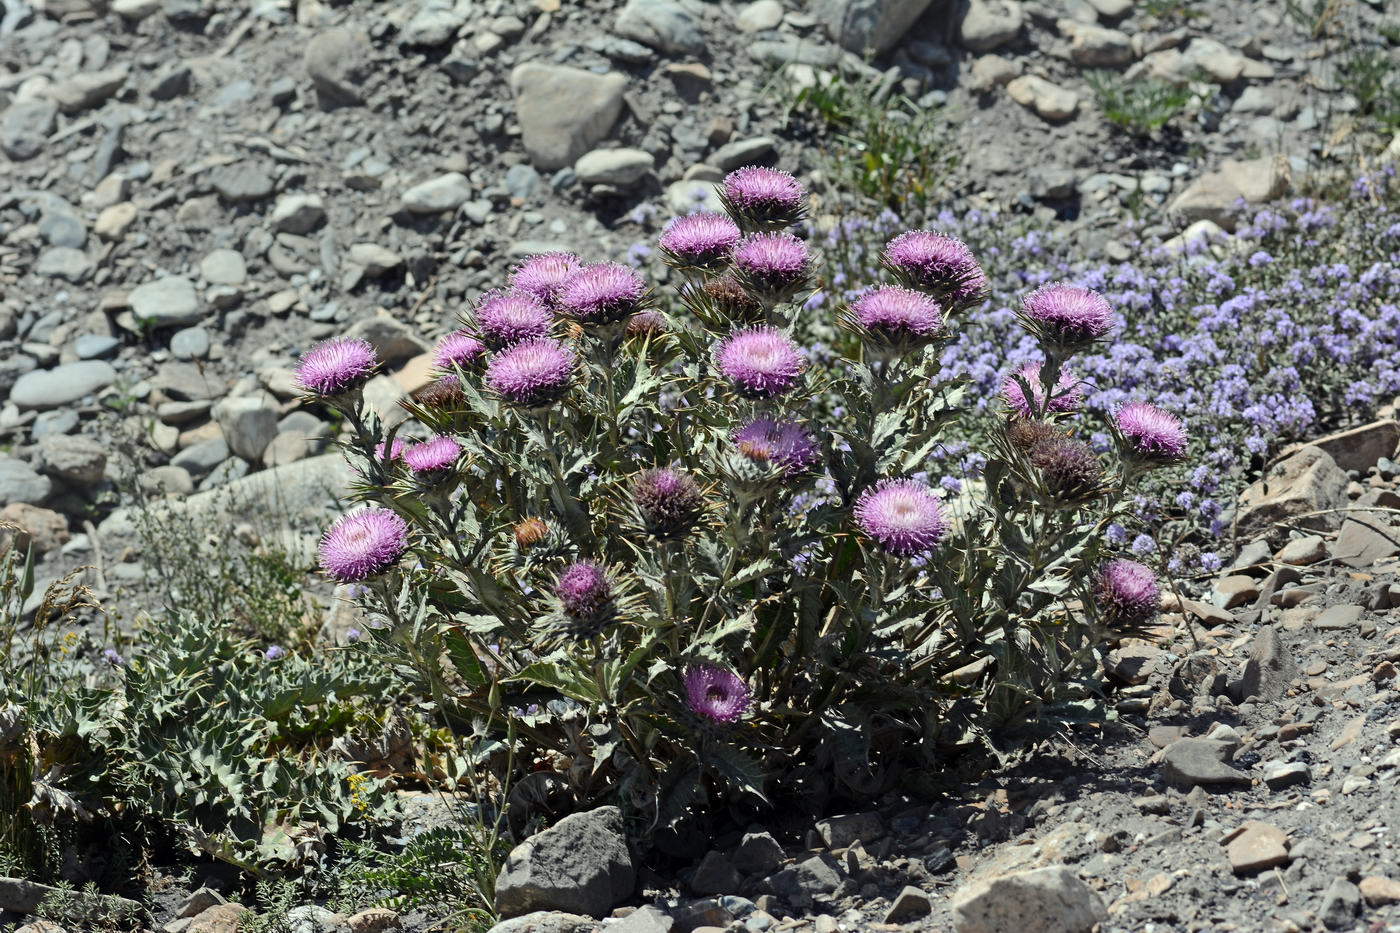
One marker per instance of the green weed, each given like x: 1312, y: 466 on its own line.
x: 1140, y: 107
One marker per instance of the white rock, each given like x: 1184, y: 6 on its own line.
x: 444, y: 193
x: 990, y: 24
x: 760, y: 16
x: 621, y: 167
x: 1047, y: 100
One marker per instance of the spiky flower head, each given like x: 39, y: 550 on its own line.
x: 647, y: 323
x: 530, y: 532
x: 896, y: 318
x: 760, y: 362
x: 1066, y: 317
x: 730, y: 299
x: 699, y: 241
x: 1150, y: 435
x: 336, y: 366
x: 1067, y: 396
x: 941, y: 264
x: 759, y: 197
x: 433, y: 457
x: 458, y: 349
x: 785, y: 444
x: 1126, y: 593
x: 508, y: 317
x: 1025, y: 434
x: 586, y: 596
x: 771, y: 264
x: 669, y: 502
x: 601, y: 293
x: 903, y: 516
x: 716, y: 695
x: 363, y: 544
x: 542, y: 276
x: 393, y: 451
x: 532, y: 374
x: 1069, y: 469
x: 444, y: 392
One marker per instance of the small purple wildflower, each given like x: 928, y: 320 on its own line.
x: 274, y: 652
x: 506, y: 318
x: 363, y: 544
x: 716, y: 694
x: 533, y: 373
x: 601, y: 293
x: 394, y: 452
x: 335, y: 366
x: 1127, y: 593
x: 542, y: 276
x: 353, y: 635
x: 699, y: 241
x: 111, y: 657
x: 761, y: 362
x: 903, y: 516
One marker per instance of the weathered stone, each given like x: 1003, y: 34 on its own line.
x: 1042, y: 900
x: 298, y: 214
x: 1281, y: 774
x: 85, y: 91
x: 667, y: 25
x: 1341, y: 902
x: 436, y: 195
x: 839, y: 832
x: 1307, y: 482
x: 24, y: 897
x: 1189, y: 762
x: 1336, y: 618
x: 221, y: 918
x: 758, y: 854
x: 42, y: 389
x: 868, y: 25
x: 392, y: 339
x: 1367, y: 541
x: 715, y: 874
x: 25, y: 127
x: 338, y: 63
x: 1270, y: 667
x: 1234, y: 591
x: 760, y: 16
x: 74, y: 459
x: 621, y: 167
x: 909, y: 905
x: 167, y: 302
x: 375, y: 259
x: 1095, y: 46
x: 815, y: 877
x: 1379, y: 891
x: 546, y: 921
x: 990, y: 24
x: 436, y: 23
x: 1300, y: 552
x: 373, y: 920
x: 1359, y: 448
x: 45, y: 529
x: 580, y: 865
x: 564, y: 112
x: 249, y: 425
x: 1216, y: 195
x: 1255, y: 847
x: 1049, y: 101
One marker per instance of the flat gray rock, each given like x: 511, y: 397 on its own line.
x: 42, y: 389
x: 167, y: 302
x: 1189, y: 762
x: 20, y: 483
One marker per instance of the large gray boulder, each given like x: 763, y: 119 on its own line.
x: 564, y: 112
x: 1043, y: 900
x: 873, y: 25
x: 580, y: 865
x: 1295, y: 490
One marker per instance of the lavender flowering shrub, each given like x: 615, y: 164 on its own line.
x: 675, y: 560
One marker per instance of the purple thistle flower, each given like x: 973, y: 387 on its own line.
x: 508, y: 317
x: 335, y: 366
x: 784, y: 443
x: 586, y: 594
x: 274, y: 652
x: 937, y: 262
x: 762, y: 197
x: 1151, y: 434
x: 761, y: 362
x: 700, y: 241
x: 1127, y: 593
x: 669, y: 502
x: 542, y: 276
x: 771, y: 263
x: 716, y: 694
x: 533, y: 373
x: 903, y: 516
x: 1066, y: 317
x: 601, y: 293
x: 395, y: 450
x: 434, y: 456
x: 459, y: 348
x: 896, y: 317
x: 1067, y: 396
x: 363, y: 544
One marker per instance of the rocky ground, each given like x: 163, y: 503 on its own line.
x: 192, y: 193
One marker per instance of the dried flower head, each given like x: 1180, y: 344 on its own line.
x: 1127, y: 594
x: 1150, y: 435
x: 433, y: 457
x: 458, y: 349
x: 533, y: 373
x: 363, y: 544
x: 586, y: 596
x: 1069, y: 469
x: 941, y: 264
x: 1067, y: 396
x: 762, y: 197
x: 601, y: 293
x: 530, y: 532
x: 508, y: 317
x: 771, y: 264
x: 1066, y: 317
x: 669, y: 501
x: 903, y: 516
x: 542, y: 276
x: 760, y: 362
x: 647, y: 324
x: 716, y: 695
x: 699, y: 241
x: 336, y: 366
x: 445, y: 392
x: 727, y: 296
x: 785, y: 444
x: 1025, y: 434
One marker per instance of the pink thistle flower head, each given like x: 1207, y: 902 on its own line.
x: 1066, y: 317
x: 903, y: 516
x: 1067, y: 396
x: 542, y: 276
x: 507, y: 317
x: 760, y: 362
x: 336, y: 366
x: 458, y: 349
x: 393, y: 451
x: 941, y: 264
x: 717, y: 695
x: 785, y: 444
x: 669, y: 502
x: 433, y: 457
x: 1150, y: 434
x: 771, y: 264
x: 532, y: 374
x: 601, y: 293
x: 585, y: 594
x: 762, y: 197
x: 1126, y: 593
x: 363, y: 544
x: 896, y: 317
x: 699, y: 241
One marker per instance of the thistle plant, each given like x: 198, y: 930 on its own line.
x: 679, y: 564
